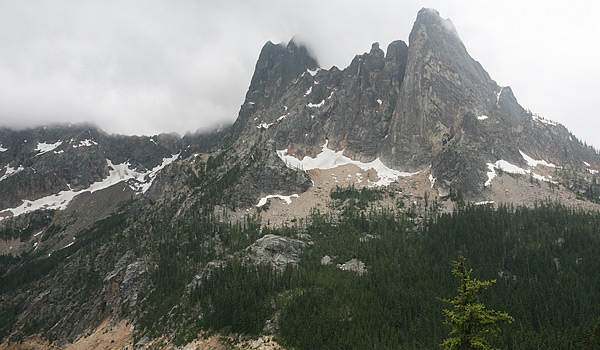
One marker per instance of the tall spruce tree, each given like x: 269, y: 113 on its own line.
x: 471, y: 322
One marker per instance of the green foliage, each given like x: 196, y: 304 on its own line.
x: 358, y: 197
x: 471, y: 322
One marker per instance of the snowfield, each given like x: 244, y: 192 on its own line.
x: 329, y: 159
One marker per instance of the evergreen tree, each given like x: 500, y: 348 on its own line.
x: 469, y: 319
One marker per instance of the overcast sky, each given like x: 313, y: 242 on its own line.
x: 149, y: 66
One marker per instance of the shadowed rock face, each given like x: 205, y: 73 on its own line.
x: 416, y: 106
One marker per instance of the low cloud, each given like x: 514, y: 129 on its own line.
x: 144, y: 67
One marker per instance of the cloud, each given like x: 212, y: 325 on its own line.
x: 143, y: 67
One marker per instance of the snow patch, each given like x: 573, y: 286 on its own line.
x: 482, y: 117
x: 313, y: 72
x: 379, y: 101
x: 139, y: 182
x: 320, y: 104
x: 510, y: 168
x: 484, y: 202
x: 43, y: 147
x: 10, y: 171
x: 586, y: 164
x: 282, y: 117
x: 432, y: 180
x: 287, y: 199
x: 329, y: 159
x: 308, y: 91
x: 264, y: 125
x: 534, y: 162
x: 2, y: 149
x: 86, y: 143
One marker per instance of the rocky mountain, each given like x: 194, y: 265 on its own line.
x: 422, y: 107
x: 99, y: 229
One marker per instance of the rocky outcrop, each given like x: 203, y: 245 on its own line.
x: 276, y: 251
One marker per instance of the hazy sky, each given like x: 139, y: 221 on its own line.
x: 149, y: 66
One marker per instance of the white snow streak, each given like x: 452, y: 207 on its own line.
x: 498, y: 96
x: 482, y: 117
x: 2, y: 149
x: 537, y: 118
x: 320, y: 104
x: 379, y: 101
x: 10, y: 171
x: 308, y: 91
x: 287, y: 199
x: 534, y: 162
x: 329, y: 159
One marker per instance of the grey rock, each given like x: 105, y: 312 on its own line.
x: 276, y: 251
x: 353, y: 265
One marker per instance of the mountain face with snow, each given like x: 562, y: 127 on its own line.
x: 422, y: 107
x: 423, y: 120
x: 45, y: 168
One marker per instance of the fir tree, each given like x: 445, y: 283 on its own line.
x: 469, y: 319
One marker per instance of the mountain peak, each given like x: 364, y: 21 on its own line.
x: 429, y: 21
x: 278, y: 66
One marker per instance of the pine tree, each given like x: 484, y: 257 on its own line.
x: 469, y: 319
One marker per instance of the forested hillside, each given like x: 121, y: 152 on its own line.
x: 545, y: 260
